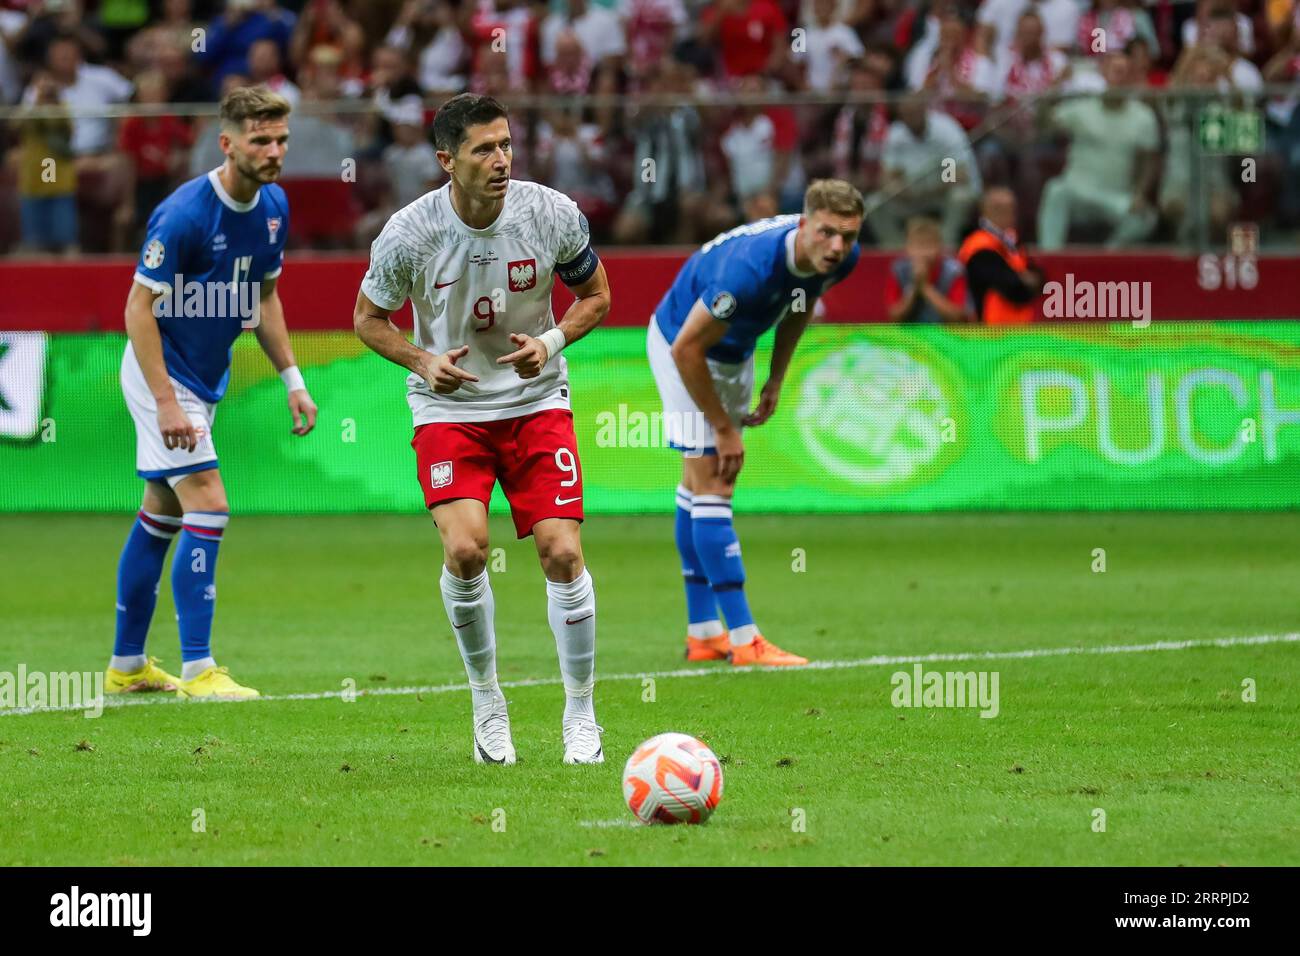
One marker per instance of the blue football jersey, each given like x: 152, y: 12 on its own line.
x: 746, y: 278
x: 205, y: 252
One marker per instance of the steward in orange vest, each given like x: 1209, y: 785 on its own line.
x: 1003, y: 283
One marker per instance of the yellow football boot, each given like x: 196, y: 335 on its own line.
x: 215, y: 683
x: 147, y: 679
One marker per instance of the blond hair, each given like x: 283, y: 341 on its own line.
x: 251, y: 102
x: 833, y: 195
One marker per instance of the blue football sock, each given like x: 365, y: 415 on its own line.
x: 194, y: 575
x: 138, y: 572
x: 701, y: 607
x: 719, y: 551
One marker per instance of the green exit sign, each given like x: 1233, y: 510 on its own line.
x: 1231, y: 132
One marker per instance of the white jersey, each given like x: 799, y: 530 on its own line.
x: 477, y: 286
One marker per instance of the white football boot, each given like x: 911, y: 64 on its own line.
x: 582, y: 740
x: 492, y: 743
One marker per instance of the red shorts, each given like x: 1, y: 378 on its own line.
x: 534, y: 457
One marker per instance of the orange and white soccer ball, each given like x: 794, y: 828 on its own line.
x: 672, y: 778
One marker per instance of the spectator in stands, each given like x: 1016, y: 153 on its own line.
x: 1221, y: 31
x: 998, y: 21
x: 58, y: 18
x: 752, y: 36
x: 858, y: 131
x: 430, y: 27
x: 264, y: 68
x: 1195, y: 28
x: 957, y: 75
x: 229, y: 37
x: 652, y: 27
x: 324, y: 23
x: 752, y: 156
x: 502, y: 32
x: 1014, y: 151
x: 157, y: 148
x: 570, y: 156
x: 925, y: 285
x: 669, y: 188
x: 917, y: 33
x: 569, y: 72
x: 927, y: 168
x: 598, y: 29
x: 1284, y: 115
x: 85, y: 86
x: 1112, y: 164
x: 1003, y: 281
x: 1108, y: 25
x: 410, y: 166
x: 183, y: 81
x: 1145, y: 71
x: 1029, y: 68
x: 829, y: 45
x: 1202, y: 68
x: 177, y: 22
x: 12, y: 25
x: 47, y: 174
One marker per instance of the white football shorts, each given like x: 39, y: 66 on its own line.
x: 154, y: 460
x: 685, y: 426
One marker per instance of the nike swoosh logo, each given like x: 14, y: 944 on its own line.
x: 443, y: 285
x: 566, y: 501
x: 579, y: 620
x: 466, y: 624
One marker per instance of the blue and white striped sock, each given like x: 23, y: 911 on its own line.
x: 719, y: 551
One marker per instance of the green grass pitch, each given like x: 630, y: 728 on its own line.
x: 820, y: 768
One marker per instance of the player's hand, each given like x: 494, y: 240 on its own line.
x: 303, y: 410
x: 529, y: 359
x: 767, y: 400
x: 176, y: 427
x: 442, y: 374
x: 731, y: 453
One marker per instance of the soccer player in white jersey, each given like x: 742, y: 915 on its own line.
x: 220, y: 236
x: 701, y: 345
x: 489, y: 393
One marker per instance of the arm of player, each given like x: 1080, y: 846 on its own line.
x: 590, y: 305
x: 146, y: 341
x: 698, y: 334
x: 374, y: 327
x: 788, y: 333
x: 273, y: 335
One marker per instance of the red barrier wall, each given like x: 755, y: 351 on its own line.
x: 319, y: 290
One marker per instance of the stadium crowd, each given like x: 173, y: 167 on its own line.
x: 1111, y: 167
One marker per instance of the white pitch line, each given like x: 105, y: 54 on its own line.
x: 878, y: 661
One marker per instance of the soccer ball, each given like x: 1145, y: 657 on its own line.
x: 672, y: 778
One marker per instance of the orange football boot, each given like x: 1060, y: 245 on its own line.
x: 763, y: 653
x: 708, y: 648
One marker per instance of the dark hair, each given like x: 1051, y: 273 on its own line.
x: 458, y: 114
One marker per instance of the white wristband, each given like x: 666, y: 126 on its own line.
x: 292, y: 378
x: 554, y: 340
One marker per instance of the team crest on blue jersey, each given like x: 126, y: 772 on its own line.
x: 219, y: 242
x: 724, y: 303
x: 154, y: 253
x: 272, y: 227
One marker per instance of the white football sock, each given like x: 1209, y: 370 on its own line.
x: 571, y: 609
x: 192, y: 669
x: 129, y: 664
x: 744, y: 634
x: 704, y: 629
x: 470, y: 609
